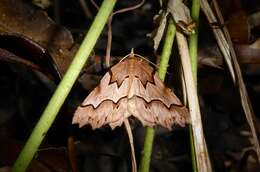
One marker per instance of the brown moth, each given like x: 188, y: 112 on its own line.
x: 131, y: 88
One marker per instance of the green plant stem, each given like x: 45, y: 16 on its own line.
x: 64, y: 88
x: 149, y: 136
x: 167, y: 49
x: 192, y: 147
x: 193, y: 39
x: 193, y: 51
x: 147, y: 150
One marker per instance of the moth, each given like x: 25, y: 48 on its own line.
x: 131, y: 88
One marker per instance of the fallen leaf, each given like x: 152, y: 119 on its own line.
x: 19, y: 17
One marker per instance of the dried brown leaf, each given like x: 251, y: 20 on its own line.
x: 22, y: 18
x: 160, y: 30
x: 179, y: 11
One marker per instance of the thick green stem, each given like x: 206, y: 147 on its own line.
x: 149, y: 136
x: 193, y: 51
x: 64, y: 88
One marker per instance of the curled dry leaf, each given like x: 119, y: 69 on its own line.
x: 157, y: 37
x: 181, y: 15
x: 179, y: 11
x: 21, y: 18
x: 131, y: 88
x: 16, y: 48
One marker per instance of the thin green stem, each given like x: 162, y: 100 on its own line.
x: 167, y: 49
x: 193, y: 51
x: 193, y: 39
x: 149, y: 136
x: 147, y: 150
x: 64, y: 88
x: 192, y: 147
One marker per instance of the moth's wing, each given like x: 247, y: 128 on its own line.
x: 167, y: 117
x: 156, y: 113
x: 153, y: 91
x: 138, y: 108
x: 132, y: 66
x: 106, y: 91
x: 142, y: 95
x: 119, y: 115
x: 106, y: 113
x: 96, y: 117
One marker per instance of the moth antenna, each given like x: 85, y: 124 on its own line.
x: 132, y: 54
x: 125, y: 57
x: 109, y: 24
x: 153, y: 64
x: 142, y: 57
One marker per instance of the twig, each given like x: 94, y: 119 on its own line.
x: 109, y: 32
x: 85, y: 8
x: 223, y: 45
x: 109, y: 41
x: 95, y: 5
x: 202, y: 156
x: 129, y: 8
x: 64, y: 88
x: 131, y: 141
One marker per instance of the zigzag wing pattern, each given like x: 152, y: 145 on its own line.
x: 131, y: 88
